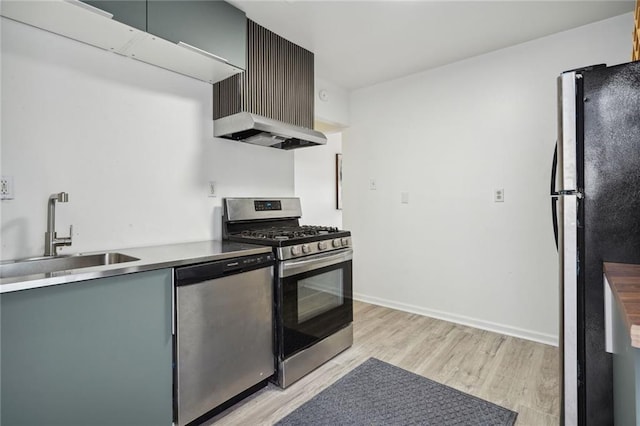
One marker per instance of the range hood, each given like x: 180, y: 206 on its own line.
x: 271, y: 103
x: 259, y: 130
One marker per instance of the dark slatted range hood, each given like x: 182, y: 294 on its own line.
x: 272, y: 102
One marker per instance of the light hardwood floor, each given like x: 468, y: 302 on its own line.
x: 518, y: 374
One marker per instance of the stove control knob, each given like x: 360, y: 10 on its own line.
x: 322, y: 245
x: 306, y: 248
x: 295, y: 250
x: 337, y: 242
x: 345, y: 241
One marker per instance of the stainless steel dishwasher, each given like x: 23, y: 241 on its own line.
x: 224, y: 333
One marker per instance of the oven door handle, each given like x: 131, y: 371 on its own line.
x: 293, y: 267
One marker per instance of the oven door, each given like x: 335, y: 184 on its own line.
x: 315, y: 299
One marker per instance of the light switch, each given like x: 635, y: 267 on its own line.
x: 404, y: 197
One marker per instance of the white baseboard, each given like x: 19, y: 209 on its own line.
x: 548, y: 339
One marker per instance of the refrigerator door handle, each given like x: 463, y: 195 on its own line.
x: 554, y: 194
x: 554, y: 171
x: 554, y: 214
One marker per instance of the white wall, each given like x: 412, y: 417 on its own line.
x: 315, y: 182
x: 131, y: 143
x: 449, y: 137
x: 334, y: 109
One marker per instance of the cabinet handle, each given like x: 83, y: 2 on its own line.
x: 202, y: 52
x: 91, y: 8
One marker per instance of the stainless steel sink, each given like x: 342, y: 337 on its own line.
x: 46, y: 265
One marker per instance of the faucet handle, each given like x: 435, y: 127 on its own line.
x: 66, y: 241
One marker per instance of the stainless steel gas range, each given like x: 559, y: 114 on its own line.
x: 312, y: 285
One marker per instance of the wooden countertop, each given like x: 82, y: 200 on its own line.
x: 624, y: 280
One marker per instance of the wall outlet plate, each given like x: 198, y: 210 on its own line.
x: 212, y: 188
x: 6, y: 188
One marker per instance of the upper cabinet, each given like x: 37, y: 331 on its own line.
x: 212, y: 27
x: 130, y: 12
x: 203, y: 39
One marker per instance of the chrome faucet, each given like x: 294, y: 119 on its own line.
x: 51, y: 240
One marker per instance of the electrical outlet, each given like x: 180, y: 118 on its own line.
x: 6, y: 188
x: 212, y: 189
x: 372, y: 185
x: 498, y: 195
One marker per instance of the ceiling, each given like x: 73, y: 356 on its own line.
x: 361, y: 43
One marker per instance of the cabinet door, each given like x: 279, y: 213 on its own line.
x: 213, y: 26
x: 130, y: 12
x: 96, y: 352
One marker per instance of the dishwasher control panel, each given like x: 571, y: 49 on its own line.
x: 244, y: 262
x: 216, y: 269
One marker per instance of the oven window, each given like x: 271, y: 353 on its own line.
x: 319, y: 294
x: 313, y: 305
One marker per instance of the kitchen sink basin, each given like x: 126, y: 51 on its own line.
x: 45, y: 265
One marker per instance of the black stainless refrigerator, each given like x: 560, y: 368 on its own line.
x: 596, y: 207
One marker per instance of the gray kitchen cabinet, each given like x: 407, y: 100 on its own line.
x: 212, y: 26
x: 97, y: 352
x: 626, y: 373
x: 215, y: 28
x: 130, y: 12
x: 622, y: 340
x: 209, y: 30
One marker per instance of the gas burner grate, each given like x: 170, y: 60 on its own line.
x: 289, y: 232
